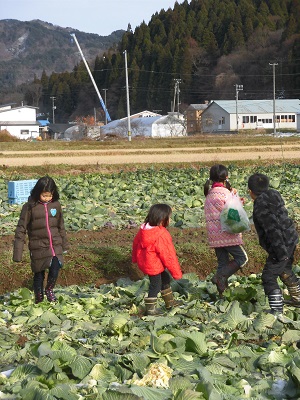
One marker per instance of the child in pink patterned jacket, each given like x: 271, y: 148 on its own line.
x: 228, y: 247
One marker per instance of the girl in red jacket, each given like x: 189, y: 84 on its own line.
x: 154, y: 252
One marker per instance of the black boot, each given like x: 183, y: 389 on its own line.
x: 49, y: 290
x: 168, y: 298
x: 150, y: 304
x: 52, y: 278
x: 293, y: 285
x: 38, y: 286
x: 220, y: 279
x: 276, y: 301
x: 38, y: 296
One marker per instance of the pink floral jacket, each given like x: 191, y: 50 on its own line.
x: 214, y: 203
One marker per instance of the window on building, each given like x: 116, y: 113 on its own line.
x: 246, y: 119
x: 253, y: 118
x: 24, y: 131
x: 291, y: 118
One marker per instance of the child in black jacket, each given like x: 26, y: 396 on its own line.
x: 278, y: 236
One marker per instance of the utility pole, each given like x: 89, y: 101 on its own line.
x: 176, y: 92
x: 53, y: 108
x: 237, y: 89
x: 127, y: 95
x: 105, y: 90
x: 274, y: 108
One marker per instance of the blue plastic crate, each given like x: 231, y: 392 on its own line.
x: 20, y: 190
x: 17, y: 200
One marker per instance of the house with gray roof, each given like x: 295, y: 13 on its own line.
x: 233, y: 116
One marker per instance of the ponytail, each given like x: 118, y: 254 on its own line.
x: 228, y: 185
x: 206, y: 187
x: 217, y: 173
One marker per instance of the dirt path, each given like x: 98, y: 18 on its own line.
x: 149, y: 156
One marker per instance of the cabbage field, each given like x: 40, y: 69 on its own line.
x: 119, y: 200
x: 96, y: 343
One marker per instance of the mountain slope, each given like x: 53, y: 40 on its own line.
x: 28, y: 48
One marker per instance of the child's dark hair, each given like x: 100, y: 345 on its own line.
x: 44, y: 184
x: 159, y: 214
x: 217, y: 173
x: 258, y: 183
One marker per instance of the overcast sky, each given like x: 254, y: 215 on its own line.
x: 90, y: 16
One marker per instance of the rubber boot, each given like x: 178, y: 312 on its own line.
x: 293, y: 285
x: 221, y: 282
x: 49, y: 290
x: 150, y: 304
x: 220, y: 279
x: 52, y: 278
x: 168, y: 298
x: 38, y: 296
x: 38, y: 287
x: 276, y: 301
x: 294, y: 292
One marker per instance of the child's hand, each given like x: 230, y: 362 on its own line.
x: 242, y: 200
x: 233, y: 191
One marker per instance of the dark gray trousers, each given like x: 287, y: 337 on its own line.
x: 224, y: 254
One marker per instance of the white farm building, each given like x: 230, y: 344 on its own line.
x: 232, y: 115
x: 19, y: 121
x: 158, y: 126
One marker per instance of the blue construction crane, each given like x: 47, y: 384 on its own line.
x: 92, y: 78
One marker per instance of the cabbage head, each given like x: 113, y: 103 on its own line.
x: 118, y: 325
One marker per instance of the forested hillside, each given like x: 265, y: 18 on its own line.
x: 29, y: 48
x: 209, y: 45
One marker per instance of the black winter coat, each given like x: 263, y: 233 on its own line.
x: 276, y: 231
x: 44, y: 224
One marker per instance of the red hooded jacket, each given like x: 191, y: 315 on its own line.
x: 153, y: 251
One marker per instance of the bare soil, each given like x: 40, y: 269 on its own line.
x: 85, y: 262
x: 85, y: 265
x: 150, y: 156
